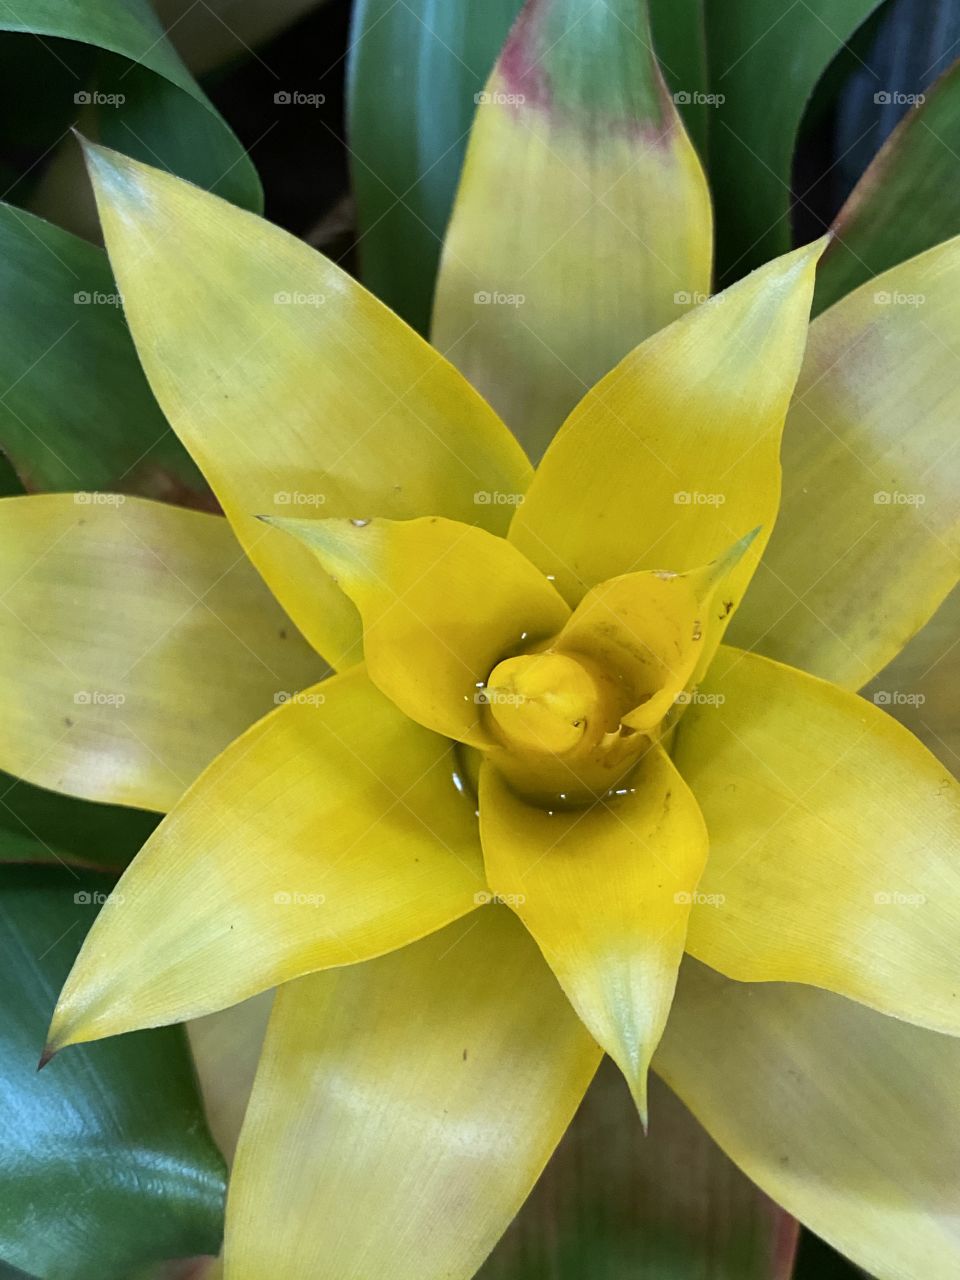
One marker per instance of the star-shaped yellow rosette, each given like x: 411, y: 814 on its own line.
x: 537, y: 778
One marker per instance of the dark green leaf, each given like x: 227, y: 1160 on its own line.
x: 105, y: 1159
x: 907, y: 201
x: 765, y: 58
x: 78, y: 413
x: 614, y: 1205
x: 157, y: 93
x: 909, y: 45
x: 679, y: 37
x: 414, y: 70
x: 44, y: 826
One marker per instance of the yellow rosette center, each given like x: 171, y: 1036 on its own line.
x: 543, y: 702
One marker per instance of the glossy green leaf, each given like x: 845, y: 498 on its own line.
x: 414, y: 70
x: 765, y: 58
x: 907, y: 201
x: 105, y: 1160
x: 146, y: 102
x: 78, y: 413
x: 614, y: 1205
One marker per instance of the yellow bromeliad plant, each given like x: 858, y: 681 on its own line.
x: 477, y: 856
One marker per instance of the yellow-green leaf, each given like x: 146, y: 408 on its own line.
x: 919, y: 687
x: 582, y: 224
x: 834, y: 842
x: 606, y: 892
x: 848, y: 1119
x: 404, y: 1109
x: 226, y: 1048
x: 675, y: 454
x: 867, y: 544
x: 441, y: 603
x: 138, y: 642
x: 293, y: 388
x: 330, y: 832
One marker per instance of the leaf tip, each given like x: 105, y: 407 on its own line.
x: 49, y: 1050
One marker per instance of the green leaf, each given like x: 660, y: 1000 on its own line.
x: 765, y: 58
x: 105, y: 1159
x: 78, y: 413
x: 162, y: 116
x: 680, y: 41
x: 907, y: 201
x: 615, y: 1205
x: 414, y: 70
x: 45, y: 827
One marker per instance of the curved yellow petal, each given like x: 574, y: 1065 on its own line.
x: 867, y: 543
x: 441, y: 603
x: 404, y: 1109
x: 675, y: 454
x: 919, y: 687
x: 137, y: 642
x: 848, y: 1119
x: 834, y: 842
x: 606, y: 892
x: 582, y: 224
x: 293, y: 388
x: 331, y: 831
x: 658, y: 631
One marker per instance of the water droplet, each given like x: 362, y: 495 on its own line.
x: 665, y: 574
x: 360, y: 524
x: 458, y: 783
x: 551, y: 577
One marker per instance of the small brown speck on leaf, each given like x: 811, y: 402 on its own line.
x: 68, y: 722
x: 465, y: 1055
x: 282, y: 633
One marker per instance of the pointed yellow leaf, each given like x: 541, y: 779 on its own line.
x: 848, y: 1119
x: 867, y: 544
x: 403, y: 1110
x: 606, y: 891
x: 675, y: 454
x: 138, y: 643
x: 441, y: 604
x: 583, y: 222
x: 294, y: 389
x: 834, y: 842
x: 330, y: 832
